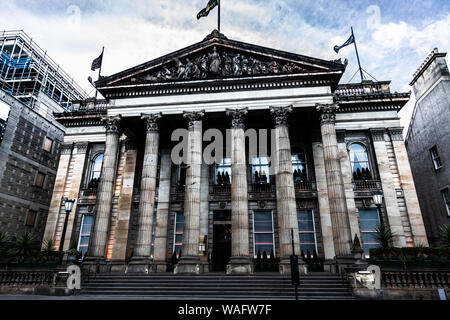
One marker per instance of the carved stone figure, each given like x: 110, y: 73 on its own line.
x: 228, y: 65
x: 204, y: 66
x: 189, y: 68
x: 237, y: 70
x: 246, y: 70
x: 214, y: 66
x: 181, y: 69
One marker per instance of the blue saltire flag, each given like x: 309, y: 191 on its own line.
x: 211, y: 5
x: 348, y: 42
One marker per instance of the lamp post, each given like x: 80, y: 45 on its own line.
x: 377, y: 197
x: 68, y: 204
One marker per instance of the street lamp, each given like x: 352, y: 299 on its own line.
x: 68, y: 204
x: 377, y: 197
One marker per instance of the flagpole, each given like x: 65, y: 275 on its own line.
x: 99, y: 73
x: 218, y: 22
x: 357, y: 56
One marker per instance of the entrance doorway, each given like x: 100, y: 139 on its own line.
x: 221, y: 247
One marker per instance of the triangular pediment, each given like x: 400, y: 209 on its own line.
x: 217, y: 57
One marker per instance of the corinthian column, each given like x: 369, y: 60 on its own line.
x: 286, y: 206
x: 105, y: 189
x: 141, y: 258
x: 336, y: 192
x: 240, y: 254
x: 189, y: 261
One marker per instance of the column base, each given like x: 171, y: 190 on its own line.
x: 96, y: 265
x: 160, y: 266
x: 188, y: 265
x: 140, y: 265
x: 118, y: 266
x: 285, y: 266
x: 240, y: 265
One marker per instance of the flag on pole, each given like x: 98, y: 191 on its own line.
x: 211, y: 5
x: 97, y: 63
x: 348, y: 42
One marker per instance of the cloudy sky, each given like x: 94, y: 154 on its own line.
x: 393, y: 36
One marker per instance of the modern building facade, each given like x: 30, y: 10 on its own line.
x: 427, y: 142
x: 32, y: 87
x: 328, y: 148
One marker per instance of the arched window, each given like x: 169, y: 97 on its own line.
x: 96, y: 169
x: 360, y: 162
x: 299, y: 165
x: 223, y: 172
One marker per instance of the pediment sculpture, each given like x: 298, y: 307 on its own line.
x: 217, y: 64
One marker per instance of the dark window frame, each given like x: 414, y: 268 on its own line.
x: 41, y: 186
x: 51, y: 145
x: 445, y: 193
x: 35, y: 213
x: 435, y: 158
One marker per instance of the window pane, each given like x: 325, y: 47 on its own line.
x: 368, y: 221
x: 307, y: 238
x: 264, y: 238
x: 31, y: 218
x: 263, y: 235
x: 178, y: 232
x: 48, y: 143
x: 369, y: 225
x: 370, y: 214
x: 40, y: 179
x: 263, y: 226
x: 263, y: 248
x: 308, y: 247
x: 85, y: 234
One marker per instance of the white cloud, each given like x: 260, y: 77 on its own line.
x: 138, y: 31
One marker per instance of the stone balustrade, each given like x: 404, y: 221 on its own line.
x: 415, y: 279
x: 28, y: 277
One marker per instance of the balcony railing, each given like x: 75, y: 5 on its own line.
x: 363, y: 185
x: 301, y: 186
x: 415, y: 279
x: 262, y: 188
x: 88, y: 193
x: 220, y: 189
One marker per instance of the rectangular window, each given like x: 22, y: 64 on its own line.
x: 436, y: 158
x: 260, y: 170
x: 223, y: 172
x: 40, y: 180
x: 307, y: 231
x: 368, y: 220
x: 152, y: 250
x: 263, y: 233
x: 178, y: 233
x: 446, y: 196
x: 48, y: 144
x: 85, y: 233
x: 181, y: 174
x: 31, y: 218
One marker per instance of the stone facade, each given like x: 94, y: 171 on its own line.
x: 219, y: 216
x: 22, y: 158
x: 430, y: 128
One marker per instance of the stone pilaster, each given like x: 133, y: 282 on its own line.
x: 240, y: 261
x: 324, y: 204
x: 286, y: 205
x: 348, y: 185
x: 408, y: 186
x: 58, y: 193
x: 336, y: 193
x: 162, y: 213
x: 78, y: 160
x: 96, y: 252
x: 190, y: 261
x: 141, y: 259
x: 387, y: 183
x: 124, y: 208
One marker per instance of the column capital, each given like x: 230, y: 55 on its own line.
x: 327, y: 112
x: 112, y: 123
x: 193, y: 116
x: 81, y: 147
x: 396, y: 134
x: 281, y: 115
x: 237, y: 117
x: 66, y: 148
x: 151, y: 121
x: 378, y: 134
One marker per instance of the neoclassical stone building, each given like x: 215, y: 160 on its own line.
x: 332, y: 146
